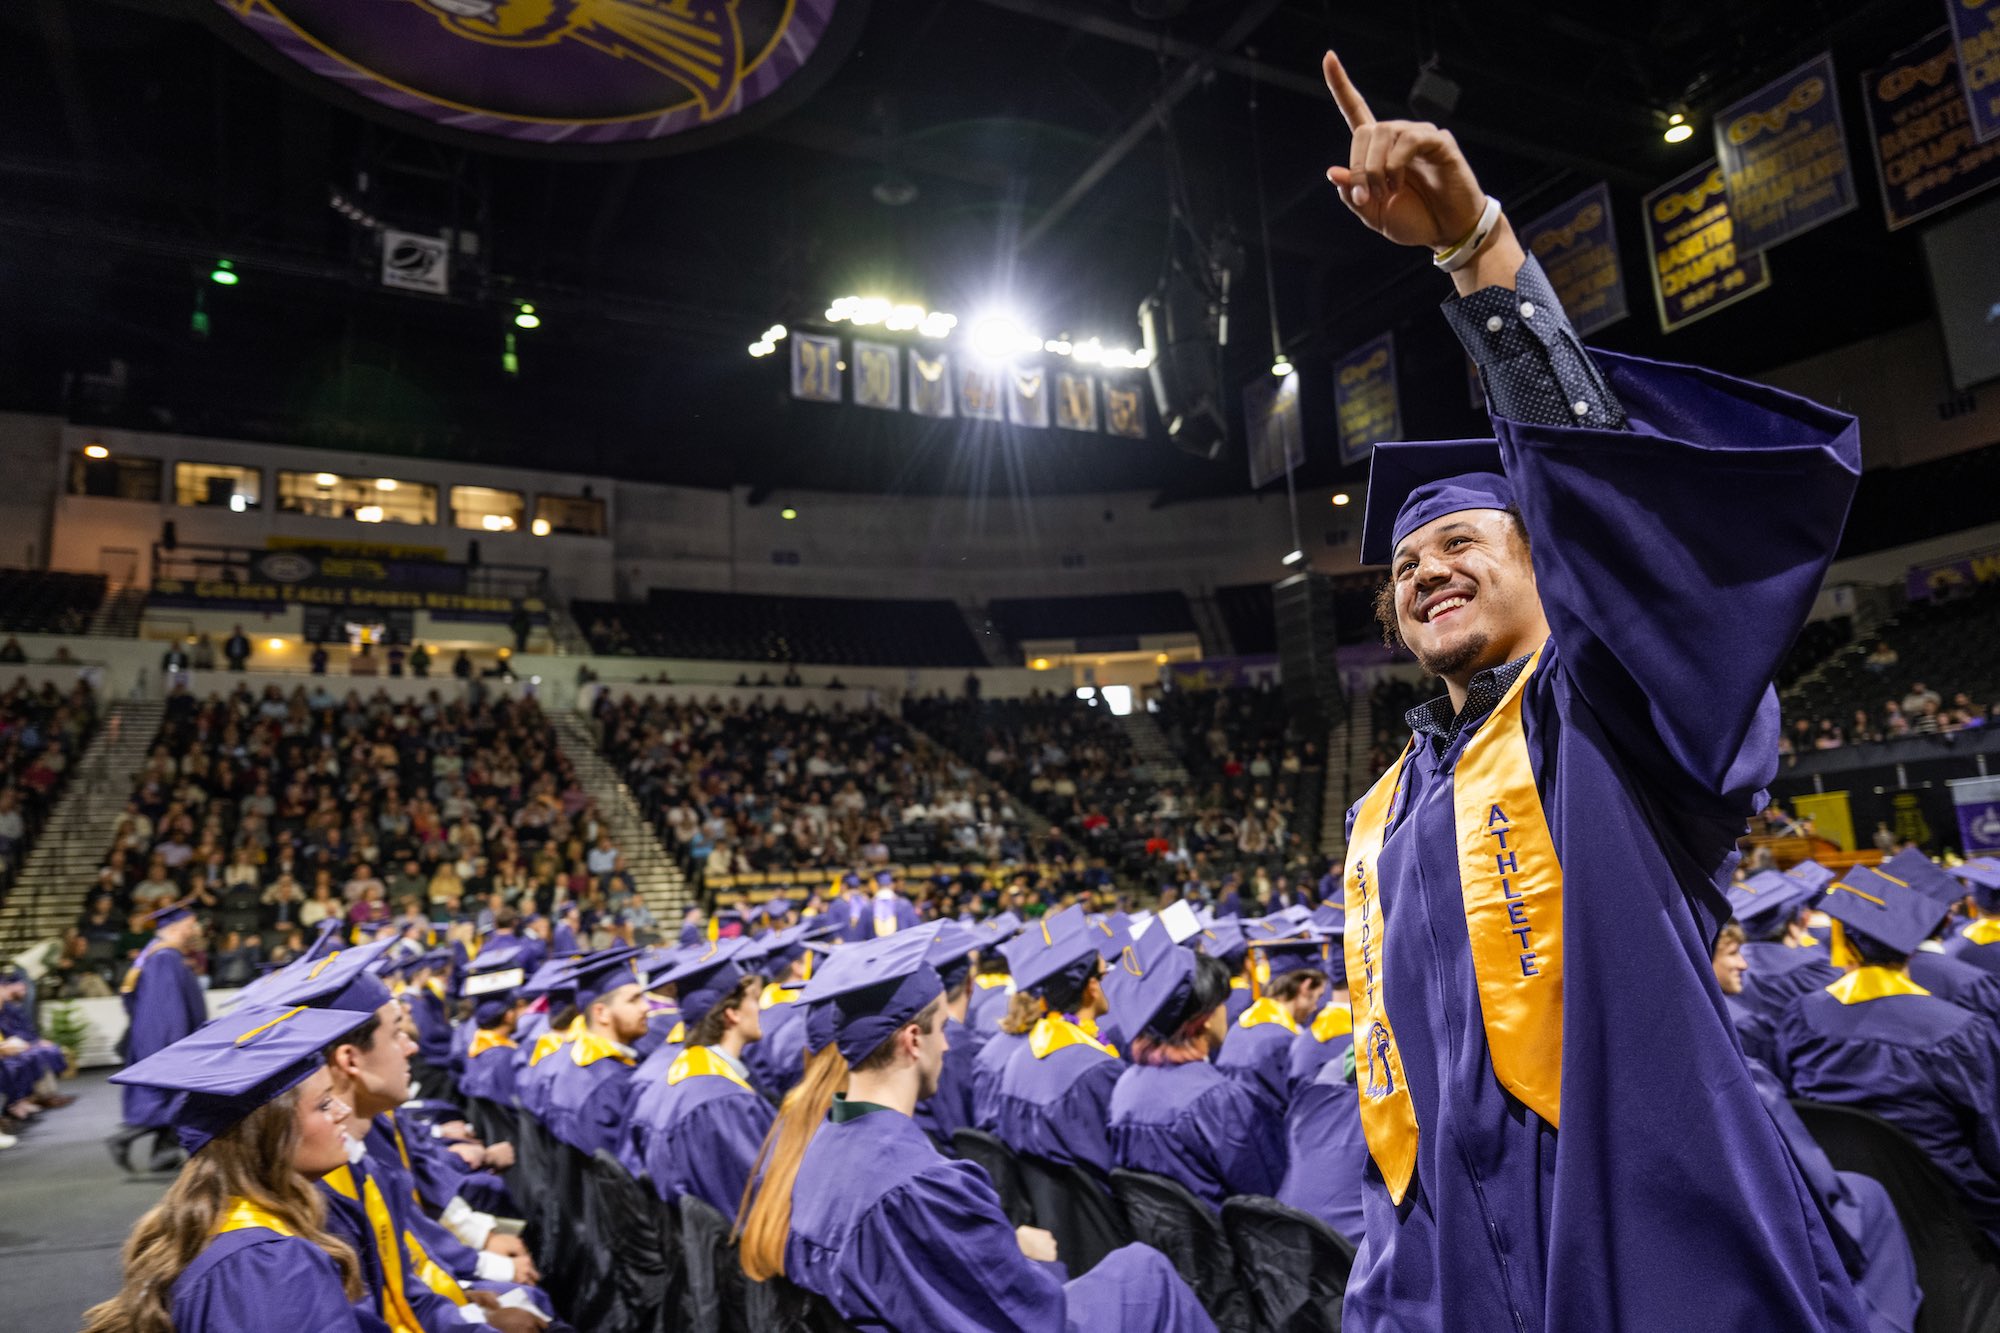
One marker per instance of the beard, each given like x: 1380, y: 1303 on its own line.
x: 1451, y: 661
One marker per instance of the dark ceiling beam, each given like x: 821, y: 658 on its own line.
x: 61, y: 43
x: 1190, y: 77
x: 1272, y: 76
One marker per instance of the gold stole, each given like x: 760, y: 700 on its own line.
x: 587, y: 1048
x: 1388, y: 1119
x: 550, y: 1042
x: 696, y: 1061
x: 775, y: 994
x: 1336, y: 1020
x: 1268, y: 1010
x: 396, y: 1310
x: 1872, y: 983
x: 1053, y: 1032
x: 1513, y: 890
x: 989, y: 980
x: 131, y: 981
x: 487, y: 1039
x: 242, y: 1215
x: 1986, y: 930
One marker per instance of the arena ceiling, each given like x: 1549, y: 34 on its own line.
x: 139, y: 146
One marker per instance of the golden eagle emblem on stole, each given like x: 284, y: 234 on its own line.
x: 696, y: 43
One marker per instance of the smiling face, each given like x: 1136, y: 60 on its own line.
x: 1464, y: 594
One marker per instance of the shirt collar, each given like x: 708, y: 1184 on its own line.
x: 1435, y: 720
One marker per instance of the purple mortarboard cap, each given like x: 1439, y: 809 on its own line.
x: 226, y: 1069
x: 557, y: 974
x: 1887, y: 911
x: 493, y: 981
x: 1924, y: 875
x: 171, y: 913
x: 1224, y: 939
x: 1150, y: 983
x: 851, y: 880
x: 1110, y: 934
x: 601, y: 973
x: 866, y: 991
x: 1982, y: 875
x: 787, y: 946
x: 1331, y: 918
x: 343, y: 979
x: 325, y: 941
x: 885, y: 879
x: 1002, y: 926
x: 1050, y: 947
x: 1812, y: 873
x: 952, y: 954
x: 1417, y: 482
x: 1767, y: 899
x: 704, y: 975
x: 1270, y: 959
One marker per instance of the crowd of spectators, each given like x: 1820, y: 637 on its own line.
x: 42, y: 734
x: 274, y: 812
x: 1920, y: 711
x: 739, y: 788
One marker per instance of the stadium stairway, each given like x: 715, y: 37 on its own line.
x: 654, y: 873
x: 62, y: 866
x: 1347, y: 777
x: 118, y: 615
x: 1156, y: 761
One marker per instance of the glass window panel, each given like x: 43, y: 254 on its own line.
x: 363, y: 499
x: 486, y: 509
x: 578, y: 515
x: 218, y: 485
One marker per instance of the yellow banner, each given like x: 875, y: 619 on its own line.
x: 1832, y: 818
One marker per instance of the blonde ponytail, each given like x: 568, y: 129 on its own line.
x: 764, y: 1221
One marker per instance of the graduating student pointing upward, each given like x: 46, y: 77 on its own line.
x: 1606, y: 589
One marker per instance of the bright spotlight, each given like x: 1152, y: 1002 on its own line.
x: 788, y: 513
x: 324, y: 479
x: 903, y: 318
x: 237, y: 504
x: 526, y: 318
x: 1058, y: 347
x: 1088, y: 352
x: 775, y: 332
x: 540, y: 527
x: 96, y: 451
x: 996, y: 337
x: 1295, y: 558
x: 385, y: 483
x: 763, y: 347
x: 369, y: 514
x: 494, y: 522
x: 870, y: 310
x: 1678, y: 129
x: 1281, y: 365
x: 1342, y: 499
x: 275, y: 645
x: 937, y: 324
x: 224, y: 274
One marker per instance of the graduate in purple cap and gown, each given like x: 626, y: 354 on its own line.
x: 855, y: 1203
x: 163, y: 1003
x: 1932, y: 965
x: 949, y: 1109
x: 1326, y: 1154
x: 1173, y: 1113
x: 1330, y: 1033
x: 992, y: 984
x: 1877, y: 1041
x: 1225, y: 940
x: 1289, y: 977
x: 696, y: 1128
x: 590, y: 1087
x: 854, y: 910
x: 1978, y: 941
x: 252, y: 1222
x: 889, y: 911
x: 776, y: 1059
x: 1606, y: 589
x: 493, y: 986
x: 1053, y: 1096
x: 1755, y: 1029
x: 1785, y: 960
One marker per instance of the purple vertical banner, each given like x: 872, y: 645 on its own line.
x: 1978, y: 807
x: 1926, y: 157
x: 1691, y: 249
x: 1364, y: 397
x: 1784, y: 159
x: 1578, y: 249
x: 1975, y: 28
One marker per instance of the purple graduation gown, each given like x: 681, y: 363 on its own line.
x: 587, y: 1103
x: 987, y: 1007
x: 254, y: 1279
x: 1308, y: 1054
x: 1959, y: 946
x: 1261, y: 1058
x: 42, y: 1056
x: 349, y: 1220
x: 1675, y: 562
x: 1778, y: 975
x: 490, y: 1075
x: 777, y: 1059
x: 702, y: 1138
x: 1965, y: 984
x: 1056, y: 1107
x: 1755, y: 1029
x: 1923, y: 1064
x: 949, y: 1109
x: 899, y: 1238
x: 1866, y: 1229
x: 1327, y: 1151
x: 1195, y: 1124
x: 163, y: 1005
x: 987, y: 1067
x: 1239, y: 999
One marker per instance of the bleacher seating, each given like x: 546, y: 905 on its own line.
x: 1111, y: 616
x: 44, y: 602
x: 42, y: 735
x: 744, y: 627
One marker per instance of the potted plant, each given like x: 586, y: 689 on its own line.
x: 64, y: 1025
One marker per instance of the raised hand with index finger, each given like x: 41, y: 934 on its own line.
x: 1406, y: 179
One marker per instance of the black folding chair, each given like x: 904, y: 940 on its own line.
x: 491, y: 1121
x: 1072, y: 1204
x: 1294, y: 1265
x: 987, y: 1151
x: 636, y: 1282
x: 534, y: 1164
x: 717, y: 1301
x: 1957, y: 1265
x: 671, y: 1317
x: 1166, y: 1215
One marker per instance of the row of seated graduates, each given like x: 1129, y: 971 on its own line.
x: 792, y: 791
x: 588, y: 1137
x: 315, y: 786
x: 43, y: 731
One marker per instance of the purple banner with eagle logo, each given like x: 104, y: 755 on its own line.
x: 555, y: 72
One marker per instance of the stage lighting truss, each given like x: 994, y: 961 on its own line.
x: 993, y: 336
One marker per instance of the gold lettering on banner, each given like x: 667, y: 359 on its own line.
x: 1772, y: 120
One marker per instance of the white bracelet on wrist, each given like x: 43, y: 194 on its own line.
x: 1458, y: 256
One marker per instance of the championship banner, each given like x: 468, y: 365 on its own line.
x: 1926, y: 156
x: 1364, y: 397
x: 815, y: 367
x: 1578, y: 248
x: 542, y: 72
x: 1272, y: 427
x: 1977, y: 802
x: 1944, y: 577
x: 979, y: 392
x: 1784, y: 157
x: 1124, y: 411
x: 930, y: 384
x: 1975, y: 28
x: 413, y: 262
x: 1027, y: 396
x: 1076, y: 402
x: 1691, y: 243
x: 878, y: 376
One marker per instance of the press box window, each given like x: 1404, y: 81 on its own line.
x: 218, y: 486
x: 485, y: 509
x: 577, y: 515
x: 114, y: 476
x: 362, y: 499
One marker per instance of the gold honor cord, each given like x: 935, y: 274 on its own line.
x: 1513, y: 890
x: 396, y: 1310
